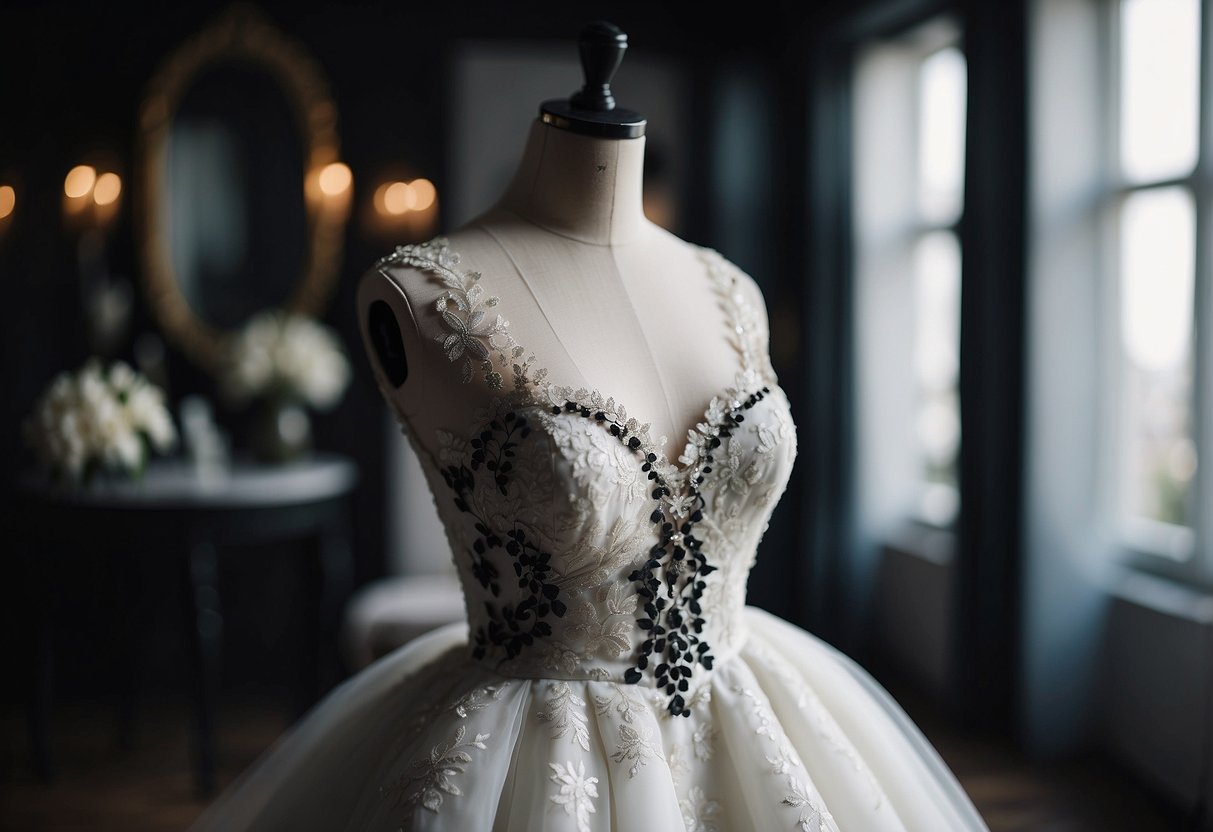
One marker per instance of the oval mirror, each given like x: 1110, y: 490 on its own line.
x: 236, y: 129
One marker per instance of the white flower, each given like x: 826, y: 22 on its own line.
x: 680, y: 504
x: 286, y: 354
x: 99, y: 418
x: 698, y: 813
x: 577, y: 792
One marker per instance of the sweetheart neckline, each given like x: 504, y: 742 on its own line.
x: 732, y: 395
x: 746, y: 380
x: 466, y: 291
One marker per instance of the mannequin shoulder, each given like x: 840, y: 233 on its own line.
x: 415, y: 278
x: 750, y: 291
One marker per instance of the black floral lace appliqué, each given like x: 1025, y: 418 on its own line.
x: 673, y: 618
x: 511, y: 626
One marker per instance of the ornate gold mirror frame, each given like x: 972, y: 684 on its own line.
x: 242, y: 33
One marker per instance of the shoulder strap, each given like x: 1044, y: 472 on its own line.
x: 749, y: 336
x: 474, y: 335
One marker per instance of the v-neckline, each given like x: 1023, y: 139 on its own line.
x: 729, y: 398
x: 475, y: 335
x: 738, y: 326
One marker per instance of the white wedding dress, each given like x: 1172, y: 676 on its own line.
x: 610, y: 675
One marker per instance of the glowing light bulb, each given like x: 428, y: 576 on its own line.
x: 425, y: 194
x: 335, y: 179
x: 399, y: 198
x: 107, y: 189
x: 79, y: 181
x: 8, y: 200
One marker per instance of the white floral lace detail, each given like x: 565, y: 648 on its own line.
x: 432, y: 775
x: 824, y: 724
x: 622, y: 702
x: 704, y: 741
x: 566, y: 612
x: 678, y: 764
x: 635, y: 747
x: 477, y: 698
x: 817, y: 818
x: 566, y: 713
x: 787, y: 764
x: 474, y: 332
x: 699, y: 814
x: 606, y: 622
x: 577, y: 792
x: 600, y: 463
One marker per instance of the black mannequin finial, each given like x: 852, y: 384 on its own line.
x: 592, y: 109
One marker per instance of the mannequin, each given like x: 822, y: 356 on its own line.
x: 603, y: 298
x: 608, y: 673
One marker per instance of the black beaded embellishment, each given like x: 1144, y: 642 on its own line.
x: 511, y: 627
x: 674, y: 623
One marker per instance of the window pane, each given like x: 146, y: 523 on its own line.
x: 1157, y: 256
x: 1159, y: 87
x: 936, y: 369
x: 941, y: 135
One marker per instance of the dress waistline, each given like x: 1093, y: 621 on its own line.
x: 555, y: 665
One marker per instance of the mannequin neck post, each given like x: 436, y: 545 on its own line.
x: 584, y: 187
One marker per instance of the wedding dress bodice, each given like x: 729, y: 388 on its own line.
x: 584, y: 550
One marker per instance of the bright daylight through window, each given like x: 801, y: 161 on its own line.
x: 1162, y: 181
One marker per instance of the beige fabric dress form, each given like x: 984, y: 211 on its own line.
x: 606, y: 299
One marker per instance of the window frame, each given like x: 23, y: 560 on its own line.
x: 918, y: 42
x: 1141, y: 543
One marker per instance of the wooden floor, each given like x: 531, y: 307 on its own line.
x: 101, y: 788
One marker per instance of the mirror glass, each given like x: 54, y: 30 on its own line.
x: 245, y: 196
x: 232, y: 201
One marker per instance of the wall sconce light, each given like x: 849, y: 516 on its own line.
x: 335, y: 179
x: 90, y: 198
x: 329, y: 187
x: 8, y: 201
x: 405, y: 208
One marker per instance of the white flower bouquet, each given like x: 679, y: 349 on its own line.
x: 99, y: 418
x: 287, y: 357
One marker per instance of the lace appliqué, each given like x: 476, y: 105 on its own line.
x: 788, y: 765
x: 473, y: 331
x: 634, y: 747
x: 511, y: 626
x: 606, y: 622
x: 566, y: 713
x: 577, y: 792
x: 672, y: 577
x: 432, y: 777
x: 704, y: 741
x: 699, y: 814
x: 823, y: 722
x: 815, y: 818
x: 621, y: 702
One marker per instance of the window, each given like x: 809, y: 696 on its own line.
x: 1159, y: 209
x: 909, y: 176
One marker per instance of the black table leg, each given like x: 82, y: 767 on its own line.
x: 329, y: 582
x: 204, y: 628
x: 43, y: 688
x: 135, y: 624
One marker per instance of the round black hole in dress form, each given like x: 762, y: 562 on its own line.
x: 389, y: 345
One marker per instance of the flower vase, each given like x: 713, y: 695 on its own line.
x: 281, y: 431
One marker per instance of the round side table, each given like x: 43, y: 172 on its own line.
x: 175, y: 512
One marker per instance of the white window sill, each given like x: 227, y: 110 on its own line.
x: 1162, y: 595
x: 925, y: 541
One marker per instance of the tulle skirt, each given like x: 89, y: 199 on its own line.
x: 788, y: 733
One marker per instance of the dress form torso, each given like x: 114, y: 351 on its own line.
x: 603, y: 298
